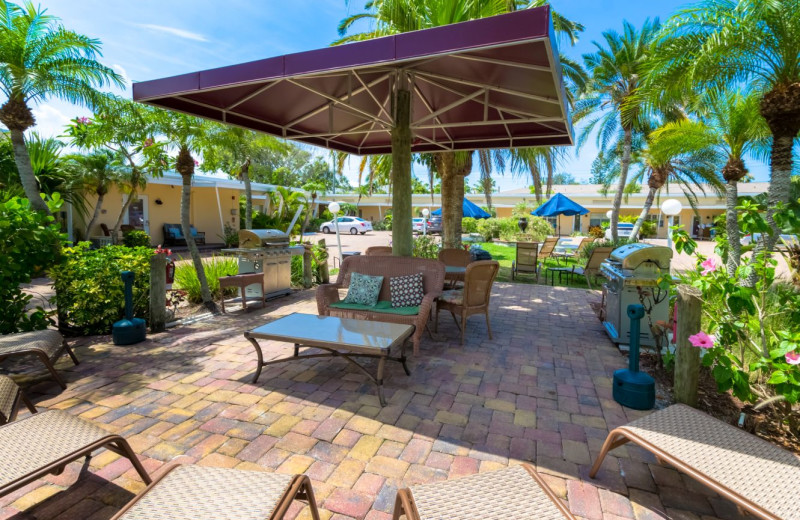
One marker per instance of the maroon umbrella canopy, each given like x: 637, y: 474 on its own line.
x: 489, y: 83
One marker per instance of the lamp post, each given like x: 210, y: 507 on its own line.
x: 425, y: 213
x: 670, y: 208
x: 334, y: 207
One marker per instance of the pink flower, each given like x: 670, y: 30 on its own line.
x: 702, y: 340
x: 196, y: 162
x: 84, y: 120
x: 148, y: 142
x: 709, y: 266
x: 793, y: 358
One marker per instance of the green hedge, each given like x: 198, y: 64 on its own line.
x: 29, y: 243
x: 215, y: 267
x: 89, y: 290
x: 507, y: 229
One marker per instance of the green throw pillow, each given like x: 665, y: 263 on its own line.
x: 364, y: 289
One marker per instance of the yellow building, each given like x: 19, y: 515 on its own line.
x: 590, y: 196
x: 214, y: 204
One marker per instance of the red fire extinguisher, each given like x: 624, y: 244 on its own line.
x: 170, y: 273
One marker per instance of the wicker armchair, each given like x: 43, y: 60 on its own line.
x: 454, y: 258
x: 432, y: 280
x: 473, y: 298
x: 379, y: 251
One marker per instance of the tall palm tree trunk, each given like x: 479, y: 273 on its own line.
x: 248, y: 195
x: 185, y: 166
x: 445, y: 165
x: 780, y: 182
x: 26, y: 176
x: 732, y: 227
x: 486, y: 181
x: 648, y: 203
x: 95, y: 216
x: 536, y: 177
x: 549, y: 162
x: 122, y: 212
x: 623, y: 180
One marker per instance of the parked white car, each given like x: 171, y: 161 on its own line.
x: 417, y: 224
x: 623, y: 230
x: 783, y: 241
x: 352, y: 225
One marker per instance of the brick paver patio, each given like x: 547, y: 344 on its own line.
x: 539, y: 392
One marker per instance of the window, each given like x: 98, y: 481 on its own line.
x: 576, y: 224
x: 597, y: 219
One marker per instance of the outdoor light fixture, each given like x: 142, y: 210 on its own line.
x: 159, y: 202
x: 608, y: 214
x: 334, y: 208
x: 670, y: 208
x: 425, y: 213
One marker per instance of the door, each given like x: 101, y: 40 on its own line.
x: 137, y: 214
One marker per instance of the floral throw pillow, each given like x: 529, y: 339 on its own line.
x: 406, y: 291
x: 364, y: 289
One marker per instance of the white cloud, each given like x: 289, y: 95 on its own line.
x: 180, y: 33
x: 50, y: 120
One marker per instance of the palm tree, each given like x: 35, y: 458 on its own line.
x: 616, y: 70
x: 684, y: 158
x: 187, y: 133
x: 717, y: 43
x: 398, y: 16
x: 40, y: 59
x: 313, y: 189
x: 731, y: 122
x: 96, y: 173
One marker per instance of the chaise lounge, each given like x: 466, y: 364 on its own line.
x: 48, y: 345
x: 173, y: 235
x: 756, y: 475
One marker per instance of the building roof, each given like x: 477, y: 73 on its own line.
x: 590, y: 190
x: 173, y: 178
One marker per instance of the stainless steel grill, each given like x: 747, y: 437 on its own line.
x: 631, y: 270
x: 267, y: 251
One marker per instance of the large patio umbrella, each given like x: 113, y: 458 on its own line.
x: 489, y: 83
x: 469, y: 209
x: 559, y: 204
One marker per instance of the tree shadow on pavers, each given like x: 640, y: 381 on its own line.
x: 84, y: 495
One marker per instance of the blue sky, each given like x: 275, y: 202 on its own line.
x: 151, y: 39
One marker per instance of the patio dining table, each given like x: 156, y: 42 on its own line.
x: 338, y: 337
x: 454, y: 273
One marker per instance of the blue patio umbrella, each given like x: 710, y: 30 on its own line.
x: 559, y: 205
x: 470, y: 209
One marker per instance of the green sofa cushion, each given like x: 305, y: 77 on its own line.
x: 383, y: 307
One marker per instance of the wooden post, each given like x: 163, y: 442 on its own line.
x: 402, y: 229
x: 323, y: 267
x: 307, y: 275
x: 158, y: 293
x: 687, y: 357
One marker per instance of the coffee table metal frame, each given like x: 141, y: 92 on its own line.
x: 333, y: 349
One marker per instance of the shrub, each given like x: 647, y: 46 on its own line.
x: 230, y: 236
x: 425, y: 246
x: 597, y: 232
x: 30, y: 242
x: 507, y: 229
x: 136, y: 238
x: 89, y: 289
x: 648, y: 228
x: 469, y: 225
x: 186, y: 277
x: 319, y: 256
x: 379, y: 226
x: 587, y: 250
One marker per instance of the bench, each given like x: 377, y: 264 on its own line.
x: 755, y: 474
x: 173, y: 235
x: 328, y: 302
x: 241, y: 281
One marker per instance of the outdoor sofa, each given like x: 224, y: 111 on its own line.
x: 173, y: 235
x: 329, y: 304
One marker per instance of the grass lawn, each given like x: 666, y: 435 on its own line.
x: 507, y: 254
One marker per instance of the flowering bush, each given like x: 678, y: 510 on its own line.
x: 755, y: 347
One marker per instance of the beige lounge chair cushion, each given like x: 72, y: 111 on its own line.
x: 48, y: 341
x: 42, y: 439
x: 205, y: 493
x: 509, y: 494
x: 749, y: 466
x: 8, y: 396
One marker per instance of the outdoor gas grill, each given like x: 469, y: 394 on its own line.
x: 631, y: 270
x: 267, y: 251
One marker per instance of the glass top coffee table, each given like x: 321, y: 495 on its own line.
x: 339, y: 337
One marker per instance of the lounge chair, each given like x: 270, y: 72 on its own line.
x: 46, y: 442
x: 592, y: 267
x: 548, y: 246
x: 379, y: 251
x: 47, y: 344
x: 526, y: 260
x: 515, y: 493
x: 756, y: 475
x: 10, y: 398
x: 473, y: 298
x: 201, y: 492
